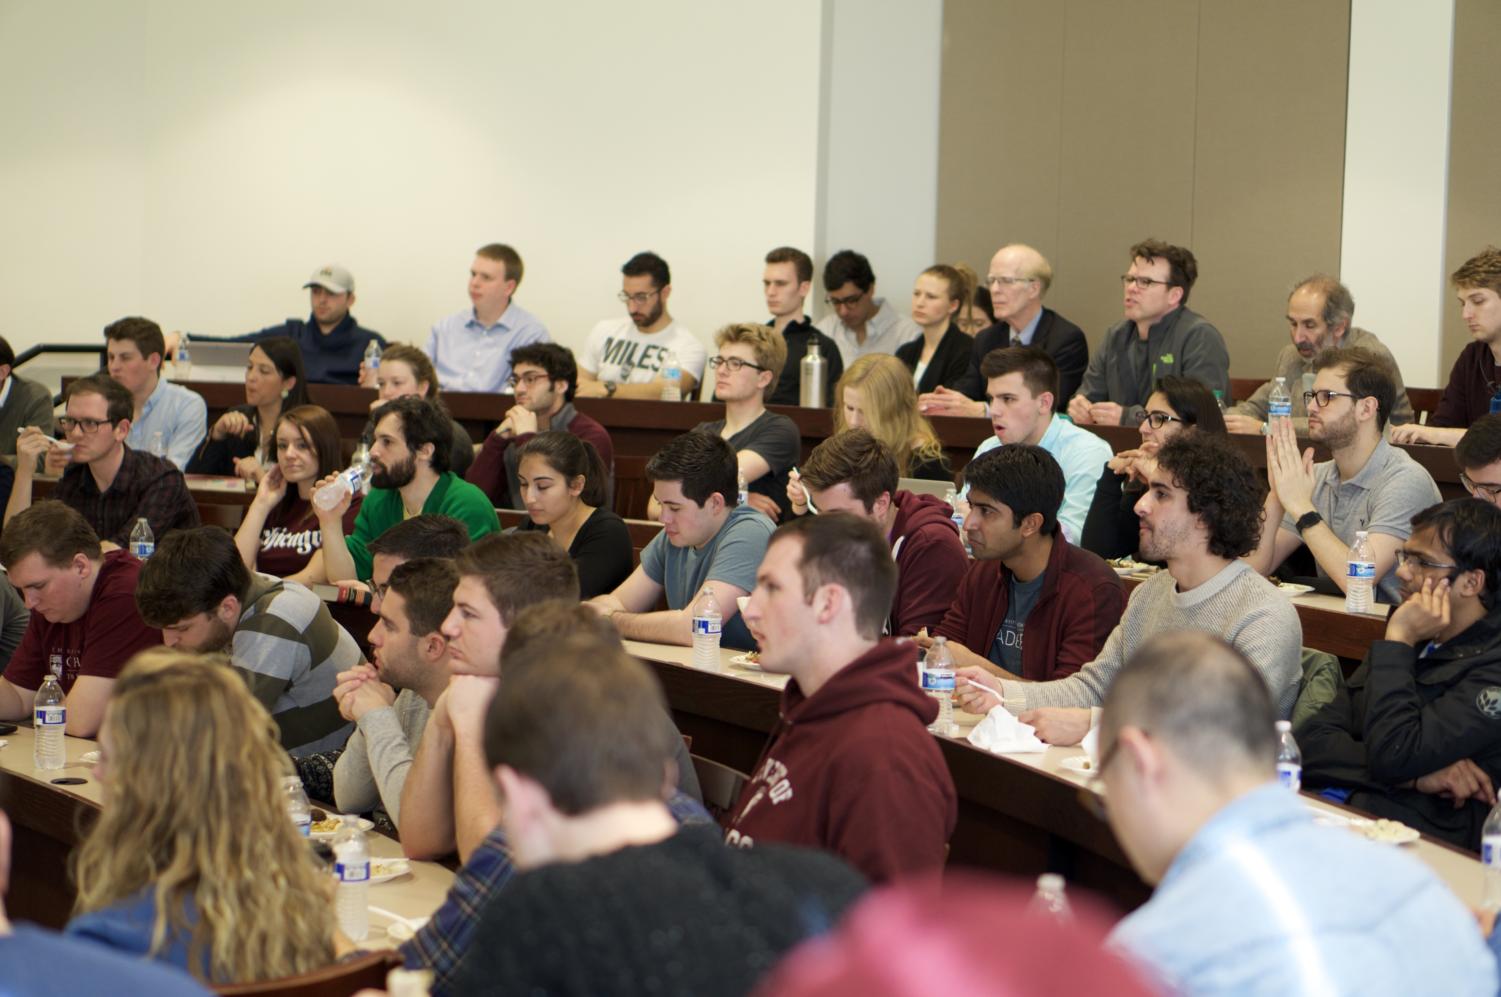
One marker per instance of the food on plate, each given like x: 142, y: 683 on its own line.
x: 327, y: 825
x: 1387, y: 830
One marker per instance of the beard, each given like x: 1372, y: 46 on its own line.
x: 396, y: 476
x: 1163, y: 542
x: 220, y: 636
x: 1337, y: 434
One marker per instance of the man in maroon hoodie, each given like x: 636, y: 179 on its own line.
x: 854, y: 472
x: 851, y: 767
x: 1032, y: 606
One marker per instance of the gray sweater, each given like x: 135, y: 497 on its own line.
x: 1291, y: 365
x: 1124, y: 369
x: 1237, y: 604
x: 375, y: 762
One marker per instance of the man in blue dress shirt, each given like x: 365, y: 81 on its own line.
x: 471, y: 349
x: 1252, y: 895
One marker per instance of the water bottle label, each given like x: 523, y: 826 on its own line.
x: 1365, y: 570
x: 937, y: 680
x: 142, y: 550
x: 1490, y: 851
x: 1280, y: 409
x: 357, y: 872
x: 304, y: 825
x: 706, y: 626
x: 51, y: 716
x: 1290, y: 775
x: 1496, y: 403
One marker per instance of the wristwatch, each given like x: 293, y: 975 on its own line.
x: 1307, y: 521
x: 610, y: 387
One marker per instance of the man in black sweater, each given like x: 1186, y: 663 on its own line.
x: 662, y: 910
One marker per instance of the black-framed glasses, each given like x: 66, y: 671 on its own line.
x: 734, y: 363
x: 639, y: 298
x: 1090, y: 796
x: 1480, y: 488
x: 996, y: 280
x: 528, y: 379
x: 845, y: 301
x: 1408, y: 557
x: 1157, y: 419
x: 1324, y: 396
x: 1142, y: 283
x: 67, y: 422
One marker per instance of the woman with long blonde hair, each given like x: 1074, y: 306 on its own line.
x: 193, y: 860
x: 876, y: 394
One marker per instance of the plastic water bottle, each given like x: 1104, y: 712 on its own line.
x: 1289, y: 758
x: 50, y: 716
x: 182, y: 361
x: 744, y: 490
x: 938, y: 681
x: 1050, y: 901
x: 349, y: 482
x: 372, y: 357
x: 1360, y: 575
x: 1280, y: 404
x: 1496, y: 402
x: 298, y: 807
x: 1490, y: 857
x: 813, y: 374
x: 672, y: 377
x: 352, y: 867
x: 707, y: 623
x: 142, y: 543
x: 158, y: 445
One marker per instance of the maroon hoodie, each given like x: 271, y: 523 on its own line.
x: 930, y: 562
x: 853, y: 770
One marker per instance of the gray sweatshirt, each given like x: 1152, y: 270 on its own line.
x: 375, y: 762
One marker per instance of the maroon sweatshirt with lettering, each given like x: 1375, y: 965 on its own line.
x: 853, y: 770
x: 930, y: 562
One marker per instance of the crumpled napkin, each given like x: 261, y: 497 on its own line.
x: 1001, y: 733
x: 1091, y: 746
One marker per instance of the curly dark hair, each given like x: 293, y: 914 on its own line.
x: 1223, y: 489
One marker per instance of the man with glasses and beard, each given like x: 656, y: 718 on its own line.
x: 545, y: 378
x: 410, y: 477
x: 1412, y: 734
x: 623, y: 358
x: 1369, y: 485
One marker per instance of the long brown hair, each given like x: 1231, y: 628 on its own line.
x: 195, y: 813
x: 889, y: 403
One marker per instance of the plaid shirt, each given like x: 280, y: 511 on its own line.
x: 442, y: 941
x: 145, y: 485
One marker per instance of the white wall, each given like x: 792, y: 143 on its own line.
x: 1396, y: 178
x: 879, y: 187
x: 195, y: 162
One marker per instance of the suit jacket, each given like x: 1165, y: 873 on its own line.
x: 1055, y: 335
x: 950, y: 361
x: 29, y: 404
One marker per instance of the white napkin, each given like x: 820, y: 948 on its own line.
x: 1001, y: 733
x: 1091, y: 746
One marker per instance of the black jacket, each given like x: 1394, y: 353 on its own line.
x: 1401, y: 717
x: 949, y: 364
x: 797, y: 335
x: 1056, y: 336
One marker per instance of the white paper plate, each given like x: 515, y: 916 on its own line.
x: 1292, y: 588
x: 744, y: 661
x: 385, y: 870
x: 364, y: 825
x: 1079, y: 764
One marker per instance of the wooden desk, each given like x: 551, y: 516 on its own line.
x: 50, y: 820
x: 1018, y: 814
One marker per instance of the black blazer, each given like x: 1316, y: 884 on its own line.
x: 949, y: 363
x: 1055, y: 335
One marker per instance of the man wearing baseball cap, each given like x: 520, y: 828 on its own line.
x: 332, y: 342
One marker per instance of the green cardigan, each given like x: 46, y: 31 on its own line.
x: 382, y: 509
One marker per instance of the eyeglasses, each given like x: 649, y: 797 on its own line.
x: 1479, y: 488
x: 996, y: 280
x: 1324, y: 396
x: 527, y: 379
x: 1157, y: 419
x: 67, y: 422
x: 1090, y: 797
x: 638, y: 299
x: 846, y: 301
x: 1408, y: 557
x: 1143, y: 283
x: 380, y: 590
x: 734, y: 363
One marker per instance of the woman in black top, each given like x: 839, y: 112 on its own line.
x: 240, y: 442
x: 1178, y: 403
x: 563, y: 486
x: 940, y: 356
